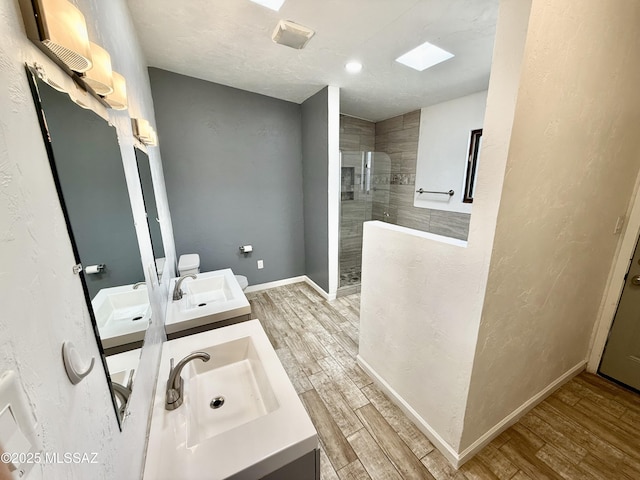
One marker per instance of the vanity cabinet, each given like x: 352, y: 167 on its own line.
x: 306, y: 467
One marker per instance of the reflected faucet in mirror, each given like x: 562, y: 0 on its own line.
x: 82, y: 146
x: 175, y: 384
x: 177, y: 291
x: 121, y: 394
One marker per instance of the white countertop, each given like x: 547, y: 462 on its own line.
x: 248, y: 451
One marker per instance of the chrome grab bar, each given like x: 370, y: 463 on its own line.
x: 450, y: 192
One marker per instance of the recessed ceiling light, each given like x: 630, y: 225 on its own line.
x: 272, y: 4
x: 353, y: 67
x: 424, y: 56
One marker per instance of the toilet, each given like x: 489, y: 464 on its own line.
x: 242, y: 280
x: 189, y: 263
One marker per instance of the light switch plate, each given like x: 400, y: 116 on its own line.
x: 19, y: 428
x: 11, y: 436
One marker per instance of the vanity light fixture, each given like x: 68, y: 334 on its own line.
x: 153, y: 141
x: 424, y: 56
x: 272, y: 4
x: 144, y: 132
x: 62, y: 29
x: 292, y: 35
x: 118, y: 98
x: 353, y: 67
x: 100, y: 76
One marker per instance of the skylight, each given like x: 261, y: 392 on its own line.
x: 424, y: 56
x: 272, y: 4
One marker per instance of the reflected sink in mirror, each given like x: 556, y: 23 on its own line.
x: 212, y: 300
x: 205, y: 290
x: 93, y: 188
x: 236, y: 378
x: 261, y: 426
x: 122, y: 314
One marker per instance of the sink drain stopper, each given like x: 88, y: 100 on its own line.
x: 217, y: 402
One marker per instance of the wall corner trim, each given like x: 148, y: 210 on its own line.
x: 333, y: 147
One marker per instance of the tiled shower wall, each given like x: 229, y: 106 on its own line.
x: 396, y: 142
x: 398, y: 137
x: 355, y: 136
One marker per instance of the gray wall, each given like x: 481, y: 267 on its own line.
x: 233, y: 171
x: 315, y: 173
x: 91, y: 174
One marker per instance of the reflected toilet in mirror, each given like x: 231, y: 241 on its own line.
x: 86, y: 163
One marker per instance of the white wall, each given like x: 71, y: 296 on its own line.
x: 443, y: 146
x: 572, y: 168
x: 43, y: 303
x: 568, y: 157
x: 422, y: 298
x: 333, y: 216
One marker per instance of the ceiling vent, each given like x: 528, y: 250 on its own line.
x: 292, y: 35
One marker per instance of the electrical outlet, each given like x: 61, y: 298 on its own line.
x: 260, y: 264
x: 619, y: 225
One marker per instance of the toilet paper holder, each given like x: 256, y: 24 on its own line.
x: 246, y: 249
x: 93, y: 269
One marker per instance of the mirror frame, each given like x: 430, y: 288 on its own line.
x: 151, y: 195
x: 35, y: 74
x: 472, y: 165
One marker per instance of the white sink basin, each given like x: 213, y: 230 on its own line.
x: 210, y: 298
x: 123, y: 366
x: 261, y: 426
x: 205, y: 290
x: 122, y: 314
x: 236, y: 373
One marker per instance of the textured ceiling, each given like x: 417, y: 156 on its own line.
x: 229, y: 42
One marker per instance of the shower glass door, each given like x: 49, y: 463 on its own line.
x: 364, y: 195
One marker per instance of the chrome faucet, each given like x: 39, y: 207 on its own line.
x: 139, y: 284
x: 175, y: 384
x: 177, y: 291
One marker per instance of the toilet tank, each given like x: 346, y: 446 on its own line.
x: 189, y: 263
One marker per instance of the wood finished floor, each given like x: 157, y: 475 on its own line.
x: 589, y: 429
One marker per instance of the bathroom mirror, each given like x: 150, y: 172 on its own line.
x: 475, y: 142
x: 153, y: 218
x: 87, y: 168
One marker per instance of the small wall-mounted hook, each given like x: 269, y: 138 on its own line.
x: 72, y: 363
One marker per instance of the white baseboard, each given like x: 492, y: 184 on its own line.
x: 277, y: 283
x: 316, y: 287
x: 288, y: 281
x: 459, y: 459
x: 519, y: 412
x: 447, y: 450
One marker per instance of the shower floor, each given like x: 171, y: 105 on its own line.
x: 350, y: 276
